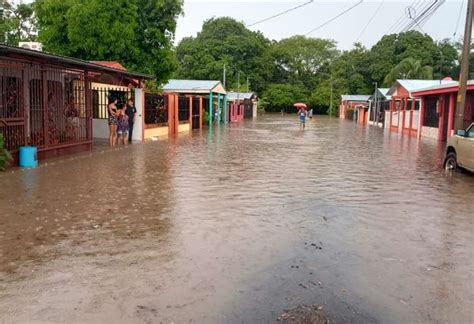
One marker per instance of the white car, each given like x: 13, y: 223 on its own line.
x: 460, y: 150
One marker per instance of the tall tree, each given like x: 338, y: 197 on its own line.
x: 298, y: 59
x: 138, y: 33
x: 409, y: 68
x: 225, y: 41
x: 17, y: 23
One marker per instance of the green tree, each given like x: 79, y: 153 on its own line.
x: 138, y: 33
x: 17, y: 23
x: 225, y: 41
x: 409, y: 68
x: 298, y: 59
x: 279, y: 97
x: 393, y: 49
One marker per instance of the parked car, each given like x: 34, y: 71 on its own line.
x: 460, y: 150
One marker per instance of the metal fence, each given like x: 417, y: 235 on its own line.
x: 43, y: 105
x: 183, y: 109
x: 156, y: 109
x: 102, y: 96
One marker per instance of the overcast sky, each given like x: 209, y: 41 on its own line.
x: 345, y: 30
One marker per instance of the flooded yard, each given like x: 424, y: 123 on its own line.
x: 239, y: 224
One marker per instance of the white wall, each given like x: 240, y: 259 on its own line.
x: 140, y: 116
x: 429, y: 132
x: 100, y: 128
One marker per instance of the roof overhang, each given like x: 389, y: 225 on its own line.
x: 67, y: 62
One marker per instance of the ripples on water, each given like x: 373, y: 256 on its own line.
x: 237, y: 204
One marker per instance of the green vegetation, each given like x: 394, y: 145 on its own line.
x: 138, y: 33
x: 305, y: 69
x: 5, y: 156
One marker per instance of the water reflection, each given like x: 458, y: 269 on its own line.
x: 243, y: 221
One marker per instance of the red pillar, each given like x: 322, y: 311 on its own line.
x: 422, y: 116
x: 412, y: 111
x: 441, y: 109
x: 200, y: 112
x: 452, y: 104
x: 392, y: 107
x: 403, y: 108
x: 170, y: 99
x: 190, y: 113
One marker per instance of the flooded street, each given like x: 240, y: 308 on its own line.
x: 238, y: 224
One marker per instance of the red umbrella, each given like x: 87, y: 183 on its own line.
x: 300, y: 105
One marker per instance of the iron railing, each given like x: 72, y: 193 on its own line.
x: 43, y: 105
x: 156, y: 109
x: 102, y: 96
x: 183, y: 109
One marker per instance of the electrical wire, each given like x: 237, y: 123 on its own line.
x: 334, y: 18
x: 400, y: 19
x: 370, y: 20
x: 459, y: 19
x: 280, y: 14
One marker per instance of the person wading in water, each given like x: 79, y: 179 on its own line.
x: 302, y: 115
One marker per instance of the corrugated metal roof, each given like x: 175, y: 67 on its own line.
x: 190, y: 85
x: 451, y: 84
x: 355, y: 97
x: 414, y: 85
x: 242, y: 95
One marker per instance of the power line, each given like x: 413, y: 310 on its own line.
x: 335, y: 17
x: 280, y: 14
x: 401, y: 18
x: 459, y: 18
x: 370, y: 20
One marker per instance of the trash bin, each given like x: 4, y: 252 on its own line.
x: 28, y: 157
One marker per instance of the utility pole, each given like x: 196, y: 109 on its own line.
x: 375, y: 105
x: 247, y: 84
x: 464, y: 75
x: 238, y: 86
x: 223, y: 77
x: 330, y: 104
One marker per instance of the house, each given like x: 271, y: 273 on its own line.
x: 404, y: 113
x: 357, y: 102
x: 210, y: 95
x: 106, y: 86
x: 379, y: 102
x: 438, y: 107
x: 46, y: 100
x: 241, y: 105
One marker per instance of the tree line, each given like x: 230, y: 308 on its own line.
x: 140, y: 34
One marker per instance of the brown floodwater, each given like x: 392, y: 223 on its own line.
x: 239, y: 224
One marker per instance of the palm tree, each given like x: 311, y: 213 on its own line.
x: 409, y: 68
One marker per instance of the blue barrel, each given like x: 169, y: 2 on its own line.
x: 28, y: 157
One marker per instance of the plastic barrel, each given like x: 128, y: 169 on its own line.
x: 28, y: 157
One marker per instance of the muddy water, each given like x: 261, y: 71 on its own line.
x: 239, y: 224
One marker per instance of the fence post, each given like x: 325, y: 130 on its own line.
x: 191, y: 113
x: 210, y: 109
x: 139, y: 123
x: 200, y: 112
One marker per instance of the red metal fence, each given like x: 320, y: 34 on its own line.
x: 43, y: 105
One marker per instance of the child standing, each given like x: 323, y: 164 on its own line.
x: 302, y: 115
x: 122, y: 127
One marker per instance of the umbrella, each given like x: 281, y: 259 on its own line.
x: 300, y: 105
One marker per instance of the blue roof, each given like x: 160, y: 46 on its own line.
x: 193, y: 86
x: 354, y: 97
x: 242, y: 95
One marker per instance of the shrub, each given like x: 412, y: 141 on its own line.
x: 350, y: 113
x: 5, y: 156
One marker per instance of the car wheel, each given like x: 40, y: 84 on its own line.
x: 451, y: 162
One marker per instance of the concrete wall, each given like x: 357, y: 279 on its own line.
x: 138, y: 133
x: 183, y: 128
x: 429, y: 132
x: 156, y: 132
x: 100, y: 128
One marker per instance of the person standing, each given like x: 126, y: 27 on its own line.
x: 131, y: 111
x: 112, y: 120
x: 122, y: 126
x: 302, y: 115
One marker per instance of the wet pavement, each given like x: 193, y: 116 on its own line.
x: 238, y: 225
